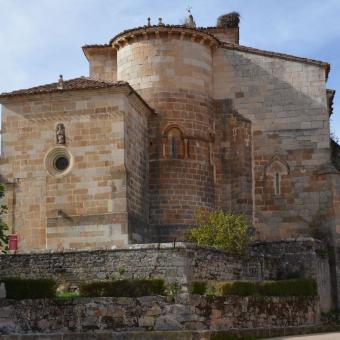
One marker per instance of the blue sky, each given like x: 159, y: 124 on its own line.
x: 41, y: 39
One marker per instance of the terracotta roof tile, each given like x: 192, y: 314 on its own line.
x: 96, y: 46
x: 146, y: 28
x: 76, y: 84
x: 200, y: 29
x: 82, y: 83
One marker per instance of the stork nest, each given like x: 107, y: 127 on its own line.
x: 230, y: 20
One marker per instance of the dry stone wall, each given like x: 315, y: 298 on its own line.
x: 184, y: 312
x: 180, y: 262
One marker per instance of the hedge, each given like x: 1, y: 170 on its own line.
x: 283, y: 288
x: 199, y: 287
x: 123, y: 288
x: 18, y: 289
x: 239, y: 288
x: 293, y: 287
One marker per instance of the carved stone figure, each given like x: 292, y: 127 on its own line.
x: 60, y: 134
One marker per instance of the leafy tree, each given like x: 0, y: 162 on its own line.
x: 3, y: 226
x: 229, y: 232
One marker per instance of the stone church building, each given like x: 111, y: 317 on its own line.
x: 171, y: 119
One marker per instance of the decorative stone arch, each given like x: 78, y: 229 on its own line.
x: 275, y: 170
x: 174, y: 143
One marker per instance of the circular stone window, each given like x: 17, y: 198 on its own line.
x: 61, y: 163
x: 58, y: 161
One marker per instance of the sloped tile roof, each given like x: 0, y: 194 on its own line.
x: 96, y: 46
x: 82, y: 83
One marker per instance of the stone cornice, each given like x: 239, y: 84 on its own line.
x: 155, y: 32
x: 124, y: 88
x: 89, y: 50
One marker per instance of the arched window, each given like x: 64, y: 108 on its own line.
x: 277, y: 171
x: 174, y: 143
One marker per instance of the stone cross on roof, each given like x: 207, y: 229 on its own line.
x: 190, y: 22
x: 60, y: 85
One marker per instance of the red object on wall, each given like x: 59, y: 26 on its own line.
x: 13, y: 242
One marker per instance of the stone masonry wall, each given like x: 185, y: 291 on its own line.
x: 181, y: 263
x: 287, y: 106
x: 136, y: 146
x: 86, y: 207
x: 335, y: 180
x: 102, y: 62
x: 181, y: 185
x: 184, y: 312
x: 174, y: 74
x: 173, y: 62
x: 225, y: 34
x: 232, y: 161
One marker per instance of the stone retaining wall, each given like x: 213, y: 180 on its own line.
x: 175, y: 263
x: 180, y: 262
x: 155, y: 313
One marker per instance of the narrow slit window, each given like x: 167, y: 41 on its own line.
x: 175, y: 144
x: 173, y: 148
x: 277, y: 184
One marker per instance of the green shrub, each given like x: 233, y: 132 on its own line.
x: 94, y: 289
x: 293, y: 287
x: 67, y: 295
x: 17, y: 288
x: 284, y: 288
x: 239, y: 288
x: 173, y: 289
x: 229, y: 232
x: 199, y: 287
x: 123, y: 288
x: 212, y: 290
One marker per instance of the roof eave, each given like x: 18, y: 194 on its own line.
x: 87, y: 49
x: 15, y: 97
x: 124, y: 88
x: 278, y: 55
x: 163, y: 28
